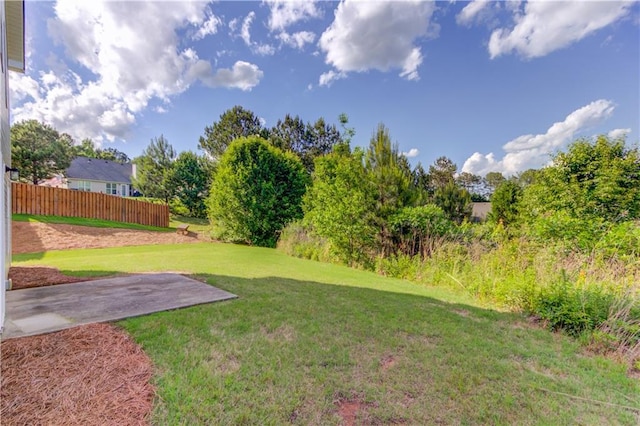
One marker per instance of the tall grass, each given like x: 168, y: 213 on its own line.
x: 593, y: 295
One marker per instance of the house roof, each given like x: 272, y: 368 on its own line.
x: 481, y: 210
x: 14, y: 17
x: 101, y: 170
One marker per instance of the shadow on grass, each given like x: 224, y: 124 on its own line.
x: 289, y: 349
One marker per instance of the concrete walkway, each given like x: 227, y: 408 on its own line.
x: 45, y: 309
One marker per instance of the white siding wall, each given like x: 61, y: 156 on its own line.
x: 5, y: 160
x: 98, y: 186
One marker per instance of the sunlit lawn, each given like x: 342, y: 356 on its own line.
x: 304, y: 335
x: 81, y: 221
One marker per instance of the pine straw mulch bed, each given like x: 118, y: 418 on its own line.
x: 88, y: 375
x: 40, y: 276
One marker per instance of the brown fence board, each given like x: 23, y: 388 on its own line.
x: 42, y: 200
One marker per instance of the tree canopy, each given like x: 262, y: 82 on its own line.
x: 339, y: 205
x: 391, y: 180
x: 256, y: 191
x: 308, y: 141
x: 190, y: 180
x: 441, y: 173
x: 505, y: 202
x: 592, y: 180
x: 234, y: 123
x: 154, y: 168
x: 39, y: 151
x: 87, y: 148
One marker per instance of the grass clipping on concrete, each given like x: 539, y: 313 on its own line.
x: 88, y: 375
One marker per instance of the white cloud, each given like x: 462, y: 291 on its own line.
x: 327, y: 78
x: 242, y: 75
x: 297, y: 40
x: 533, y: 151
x: 132, y: 54
x: 210, y: 26
x: 546, y: 26
x: 472, y: 11
x: 285, y: 13
x: 161, y: 110
x: 233, y: 25
x: 618, y: 133
x: 23, y: 87
x: 412, y: 153
x: 378, y: 35
x: 246, y: 27
x: 263, y: 49
x: 245, y: 34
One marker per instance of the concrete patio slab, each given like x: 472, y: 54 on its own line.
x: 45, y: 309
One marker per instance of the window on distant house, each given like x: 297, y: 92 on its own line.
x: 83, y: 185
x: 112, y: 188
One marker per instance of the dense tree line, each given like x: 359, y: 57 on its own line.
x: 365, y: 202
x: 301, y: 185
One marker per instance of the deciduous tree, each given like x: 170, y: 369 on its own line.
x: 39, y: 151
x: 592, y: 180
x: 339, y: 205
x: 87, y: 148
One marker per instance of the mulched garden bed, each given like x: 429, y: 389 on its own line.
x: 88, y: 375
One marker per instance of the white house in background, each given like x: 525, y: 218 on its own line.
x: 11, y: 58
x: 94, y: 175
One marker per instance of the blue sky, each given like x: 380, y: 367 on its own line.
x: 495, y: 86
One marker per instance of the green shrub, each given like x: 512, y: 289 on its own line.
x: 176, y: 207
x: 621, y: 240
x: 563, y: 227
x: 419, y: 230
x: 257, y: 191
x: 400, y: 266
x: 296, y: 240
x: 564, y: 306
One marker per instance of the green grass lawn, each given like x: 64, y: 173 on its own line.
x: 81, y: 221
x: 200, y: 226
x: 304, y: 335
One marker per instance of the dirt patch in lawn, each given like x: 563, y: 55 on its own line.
x: 353, y: 411
x: 36, y: 237
x: 88, y: 375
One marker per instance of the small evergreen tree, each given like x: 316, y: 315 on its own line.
x: 505, y: 203
x: 154, y: 168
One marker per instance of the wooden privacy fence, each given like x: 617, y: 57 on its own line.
x: 42, y: 200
